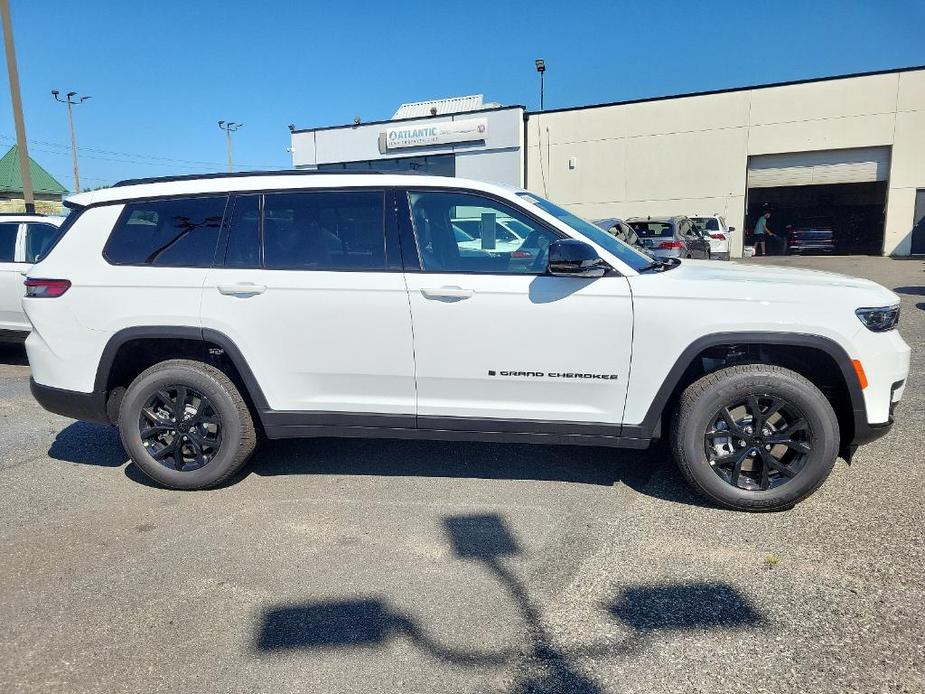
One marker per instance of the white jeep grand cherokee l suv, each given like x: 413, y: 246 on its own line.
x: 193, y: 311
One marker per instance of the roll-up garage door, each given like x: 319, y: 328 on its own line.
x: 860, y: 165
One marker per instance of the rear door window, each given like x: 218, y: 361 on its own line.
x: 243, y: 248
x: 8, y: 232
x: 180, y: 232
x: 324, y: 230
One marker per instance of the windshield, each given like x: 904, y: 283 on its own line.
x: 629, y: 255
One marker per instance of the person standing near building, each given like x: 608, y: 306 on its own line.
x: 761, y: 231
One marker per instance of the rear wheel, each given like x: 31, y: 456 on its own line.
x: 755, y: 437
x: 185, y: 425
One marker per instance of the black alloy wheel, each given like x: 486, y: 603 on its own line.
x: 758, y: 442
x: 180, y: 428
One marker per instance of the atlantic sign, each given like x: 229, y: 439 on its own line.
x: 423, y: 134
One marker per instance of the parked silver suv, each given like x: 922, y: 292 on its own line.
x: 671, y: 237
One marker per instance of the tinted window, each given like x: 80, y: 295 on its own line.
x: 244, y: 233
x: 8, y: 231
x: 460, y: 232
x: 173, y: 233
x: 324, y: 230
x: 650, y: 229
x: 39, y: 239
x: 706, y: 223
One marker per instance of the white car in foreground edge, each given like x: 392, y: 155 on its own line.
x: 192, y: 311
x: 24, y: 239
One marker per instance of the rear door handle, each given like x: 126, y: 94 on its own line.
x: 242, y: 289
x: 447, y: 293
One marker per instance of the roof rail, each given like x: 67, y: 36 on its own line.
x: 235, y: 174
x: 22, y: 214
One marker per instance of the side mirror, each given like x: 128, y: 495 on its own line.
x: 731, y: 229
x: 574, y: 258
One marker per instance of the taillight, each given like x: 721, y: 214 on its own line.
x: 46, y: 288
x: 670, y: 245
x: 718, y: 237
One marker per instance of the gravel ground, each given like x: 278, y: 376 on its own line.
x: 388, y: 566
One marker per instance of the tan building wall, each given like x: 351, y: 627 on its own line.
x: 689, y: 155
x: 53, y: 207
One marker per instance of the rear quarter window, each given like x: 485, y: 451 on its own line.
x: 181, y: 232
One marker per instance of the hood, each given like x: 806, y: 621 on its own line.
x: 713, y: 278
x: 705, y: 270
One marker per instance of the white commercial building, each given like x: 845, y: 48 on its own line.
x: 846, y: 152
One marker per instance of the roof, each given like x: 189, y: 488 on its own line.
x: 485, y: 108
x: 454, y: 104
x: 43, y: 183
x: 182, y: 186
x: 711, y: 92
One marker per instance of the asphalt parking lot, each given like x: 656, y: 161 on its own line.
x: 390, y: 566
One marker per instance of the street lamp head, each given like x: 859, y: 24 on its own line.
x: 84, y: 98
x: 221, y: 123
x: 70, y: 94
x: 54, y: 93
x: 540, y: 65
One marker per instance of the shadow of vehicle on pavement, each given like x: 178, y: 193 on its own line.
x: 537, y: 663
x: 650, y: 472
x: 911, y: 291
x: 13, y: 354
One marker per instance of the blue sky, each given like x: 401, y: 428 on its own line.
x: 163, y: 73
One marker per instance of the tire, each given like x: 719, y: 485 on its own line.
x: 715, y: 465
x: 219, y: 425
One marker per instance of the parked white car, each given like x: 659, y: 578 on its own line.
x: 24, y: 239
x: 720, y: 233
x: 313, y: 304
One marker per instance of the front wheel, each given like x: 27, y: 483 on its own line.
x: 755, y: 437
x: 185, y: 425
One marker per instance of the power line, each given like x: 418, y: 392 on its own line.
x: 131, y: 155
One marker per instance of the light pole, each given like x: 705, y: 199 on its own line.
x: 230, y: 127
x: 70, y: 121
x: 541, y: 68
x: 24, y: 169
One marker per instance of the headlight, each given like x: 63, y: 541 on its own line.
x: 879, y: 320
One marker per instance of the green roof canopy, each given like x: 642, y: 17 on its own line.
x: 43, y: 183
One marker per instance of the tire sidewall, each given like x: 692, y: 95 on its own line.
x: 138, y: 394
x: 807, y: 398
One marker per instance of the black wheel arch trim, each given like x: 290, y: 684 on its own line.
x: 174, y: 332
x: 650, y: 427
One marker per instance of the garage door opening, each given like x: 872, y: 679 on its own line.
x: 839, y: 190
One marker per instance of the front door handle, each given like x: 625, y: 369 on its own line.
x: 242, y: 289
x: 447, y: 293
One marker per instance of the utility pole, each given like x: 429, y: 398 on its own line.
x: 230, y: 127
x: 70, y: 121
x: 16, y: 100
x: 541, y: 68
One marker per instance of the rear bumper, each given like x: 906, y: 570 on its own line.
x: 88, y: 407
